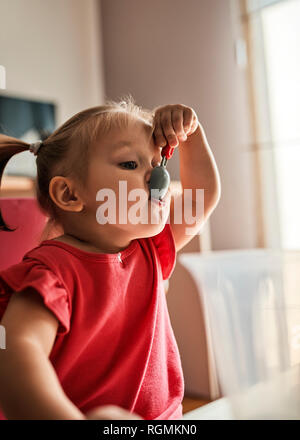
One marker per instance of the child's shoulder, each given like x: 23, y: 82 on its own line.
x: 47, y: 250
x: 52, y: 255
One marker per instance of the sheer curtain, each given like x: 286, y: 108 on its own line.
x: 274, y: 42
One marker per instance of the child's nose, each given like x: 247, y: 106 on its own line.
x: 154, y: 164
x: 148, y: 176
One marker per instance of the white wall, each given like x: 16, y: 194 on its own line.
x: 162, y: 52
x: 51, y: 50
x: 174, y: 51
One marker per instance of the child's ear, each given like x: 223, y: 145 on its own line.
x: 64, y: 194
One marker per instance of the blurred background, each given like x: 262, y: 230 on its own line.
x: 236, y: 62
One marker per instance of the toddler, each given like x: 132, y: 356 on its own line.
x: 88, y: 334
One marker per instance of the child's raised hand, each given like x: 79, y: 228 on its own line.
x: 111, y: 412
x: 173, y: 124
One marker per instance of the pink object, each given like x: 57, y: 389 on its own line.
x: 115, y: 344
x: 25, y: 215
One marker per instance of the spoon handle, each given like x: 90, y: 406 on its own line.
x: 167, y: 151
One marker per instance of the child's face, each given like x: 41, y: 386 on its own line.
x: 127, y: 155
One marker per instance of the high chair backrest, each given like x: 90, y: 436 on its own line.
x: 24, y: 215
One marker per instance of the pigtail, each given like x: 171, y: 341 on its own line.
x: 9, y: 146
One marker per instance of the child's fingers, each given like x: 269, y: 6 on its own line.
x: 187, y: 119
x: 177, y: 120
x: 159, y: 137
x: 111, y: 412
x: 167, y: 128
x: 173, y: 123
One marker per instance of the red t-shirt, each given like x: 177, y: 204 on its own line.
x: 115, y: 344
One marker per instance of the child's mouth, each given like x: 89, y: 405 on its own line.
x: 160, y: 202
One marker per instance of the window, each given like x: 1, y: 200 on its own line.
x: 273, y: 28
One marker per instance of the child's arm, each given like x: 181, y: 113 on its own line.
x: 178, y: 125
x: 29, y: 387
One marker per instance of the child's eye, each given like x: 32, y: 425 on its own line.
x: 130, y: 162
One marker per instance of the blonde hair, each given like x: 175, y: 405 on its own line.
x: 66, y: 151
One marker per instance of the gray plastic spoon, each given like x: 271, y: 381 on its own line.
x: 160, y: 178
